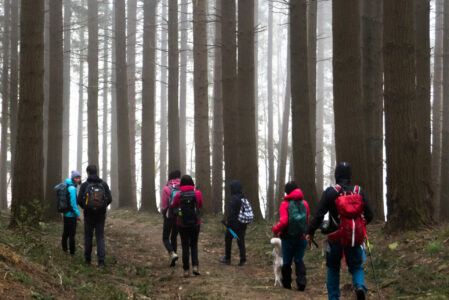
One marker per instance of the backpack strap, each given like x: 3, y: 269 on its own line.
x: 337, y: 188
x: 356, y: 189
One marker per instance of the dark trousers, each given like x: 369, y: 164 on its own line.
x: 240, y: 231
x: 91, y: 223
x: 170, y: 234
x: 69, y: 233
x: 189, y: 242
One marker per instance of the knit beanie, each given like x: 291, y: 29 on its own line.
x: 75, y: 174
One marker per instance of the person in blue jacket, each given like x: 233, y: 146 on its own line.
x: 72, y: 216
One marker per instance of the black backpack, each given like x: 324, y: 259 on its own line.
x: 188, y: 210
x: 63, y: 198
x: 95, y: 197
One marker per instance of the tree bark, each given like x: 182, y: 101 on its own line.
x: 372, y: 73
x: 105, y: 145
x: 437, y: 105
x: 164, y: 120
x: 303, y: 155
x: 66, y: 86
x: 92, y: 99
x: 183, y: 84
x: 80, y: 133
x: 406, y: 208
x: 312, y: 15
x: 148, y: 202
x: 27, y: 202
x: 124, y: 155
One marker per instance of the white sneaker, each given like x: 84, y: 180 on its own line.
x: 173, y: 259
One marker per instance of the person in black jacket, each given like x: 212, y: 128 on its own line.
x: 334, y: 250
x: 238, y: 227
x: 94, y: 219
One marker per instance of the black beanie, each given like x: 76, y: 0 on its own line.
x: 290, y: 187
x: 174, y: 175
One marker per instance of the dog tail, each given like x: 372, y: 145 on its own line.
x: 277, y: 243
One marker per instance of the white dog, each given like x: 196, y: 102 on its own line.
x: 277, y: 260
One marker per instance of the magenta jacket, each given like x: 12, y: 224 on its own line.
x: 165, y: 200
x: 199, y: 201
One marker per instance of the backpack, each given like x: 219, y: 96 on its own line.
x: 246, y: 214
x: 297, y: 218
x: 95, y: 197
x: 351, y: 227
x: 63, y: 198
x: 188, y: 211
x: 173, y: 192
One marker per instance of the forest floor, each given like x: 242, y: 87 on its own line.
x: 413, y: 265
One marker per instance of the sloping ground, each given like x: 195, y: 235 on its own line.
x: 414, y: 265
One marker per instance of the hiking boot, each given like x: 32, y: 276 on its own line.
x: 186, y: 273
x: 242, y: 263
x: 195, y: 271
x: 286, y: 276
x: 101, y: 264
x: 300, y: 270
x: 173, y: 258
x: 225, y: 261
x: 360, y: 292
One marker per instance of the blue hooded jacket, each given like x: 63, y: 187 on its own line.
x: 72, y: 190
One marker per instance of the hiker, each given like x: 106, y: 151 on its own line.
x: 339, y: 244
x: 170, y: 230
x: 292, y: 229
x: 94, y: 197
x: 238, y: 219
x: 186, y: 206
x: 73, y: 215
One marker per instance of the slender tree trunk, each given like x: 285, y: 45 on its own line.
x: 66, y: 86
x: 372, y: 73
x: 312, y: 12
x: 55, y: 109
x: 174, y: 155
x: 444, y: 196
x: 105, y: 145
x: 256, y: 72
x: 81, y: 122
x: 436, y: 109
x: 217, y: 153
x: 148, y: 202
x: 303, y: 155
x: 270, y: 189
x: 183, y: 84
x: 5, y: 112
x: 164, y: 124
x: 248, y: 169
x: 124, y: 155
x: 406, y: 208
x: 26, y: 203
x: 92, y: 100
x: 319, y: 158
x: 131, y: 62
x: 46, y: 85
x: 202, y: 146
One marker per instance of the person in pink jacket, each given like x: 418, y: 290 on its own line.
x: 170, y: 230
x: 186, y: 206
x: 292, y: 229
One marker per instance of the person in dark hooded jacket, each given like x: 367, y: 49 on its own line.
x: 334, y: 250
x: 94, y: 220
x: 238, y: 227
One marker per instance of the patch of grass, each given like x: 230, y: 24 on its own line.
x: 435, y: 247
x: 145, y: 288
x: 37, y: 295
x: 22, y: 277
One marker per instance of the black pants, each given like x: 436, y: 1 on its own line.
x: 69, y: 233
x: 240, y: 231
x: 189, y: 241
x: 170, y: 234
x: 91, y: 223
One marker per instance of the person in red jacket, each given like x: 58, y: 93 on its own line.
x: 292, y: 227
x: 186, y: 206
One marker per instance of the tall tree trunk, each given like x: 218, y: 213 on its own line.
x: 46, y: 85
x: 348, y: 104
x: 174, y: 155
x: 248, y: 169
x: 436, y: 109
x: 217, y: 153
x: 92, y: 99
x: 372, y: 73
x: 444, y: 196
x: 5, y: 102
x: 312, y: 12
x: 163, y: 139
x: 27, y: 202
x: 270, y: 188
x: 148, y: 202
x: 229, y: 82
x: 81, y: 121
x: 303, y: 155
x: 55, y: 109
x: 256, y: 64
x: 124, y: 155
x: 406, y: 208
x: 183, y: 84
x: 66, y: 86
x: 131, y: 63
x: 105, y: 145
x: 201, y: 119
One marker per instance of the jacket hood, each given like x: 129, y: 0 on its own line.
x: 343, y: 173
x: 236, y: 187
x: 94, y: 178
x: 174, y: 183
x: 69, y: 181
x: 186, y: 188
x: 295, y: 195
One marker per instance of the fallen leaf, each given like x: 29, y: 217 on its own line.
x: 393, y: 246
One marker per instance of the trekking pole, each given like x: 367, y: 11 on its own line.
x: 374, y: 271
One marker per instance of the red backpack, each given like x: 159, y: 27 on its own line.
x: 350, y: 210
